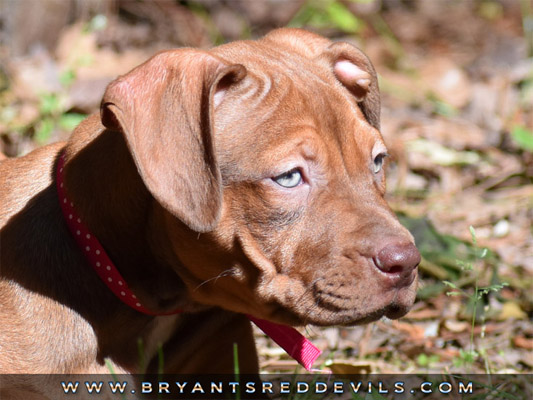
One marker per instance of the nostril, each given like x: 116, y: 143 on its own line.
x: 396, y: 269
x: 397, y: 258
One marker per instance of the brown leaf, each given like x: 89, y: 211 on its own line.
x: 345, y: 368
x: 523, y: 342
x: 512, y: 309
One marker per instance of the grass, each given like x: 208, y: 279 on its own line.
x: 236, y: 369
x: 474, y: 298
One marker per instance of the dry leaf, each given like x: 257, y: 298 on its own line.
x: 523, y: 343
x: 345, y: 368
x: 456, y: 326
x: 510, y: 310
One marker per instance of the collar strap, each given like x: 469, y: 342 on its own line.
x: 292, y: 341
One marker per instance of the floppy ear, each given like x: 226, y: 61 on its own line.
x: 164, y: 108
x: 355, y: 71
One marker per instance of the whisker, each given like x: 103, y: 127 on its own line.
x: 225, y: 273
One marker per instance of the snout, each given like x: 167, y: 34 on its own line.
x: 398, y: 261
x: 357, y: 287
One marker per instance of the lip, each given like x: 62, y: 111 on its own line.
x: 395, y: 306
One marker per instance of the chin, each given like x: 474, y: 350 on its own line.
x: 393, y: 305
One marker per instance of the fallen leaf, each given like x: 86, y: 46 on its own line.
x: 523, y: 343
x: 456, y: 326
x: 346, y: 368
x: 440, y: 155
x: 510, y: 310
x: 414, y: 331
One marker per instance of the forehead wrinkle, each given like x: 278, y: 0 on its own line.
x: 255, y: 57
x: 349, y: 133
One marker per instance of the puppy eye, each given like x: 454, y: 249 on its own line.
x: 378, y: 162
x: 289, y: 179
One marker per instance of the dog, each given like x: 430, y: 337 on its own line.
x: 246, y: 180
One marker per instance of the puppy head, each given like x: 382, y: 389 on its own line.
x: 271, y: 149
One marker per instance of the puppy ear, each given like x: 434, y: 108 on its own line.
x: 164, y: 108
x: 355, y: 71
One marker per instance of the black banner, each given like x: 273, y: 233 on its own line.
x: 268, y: 386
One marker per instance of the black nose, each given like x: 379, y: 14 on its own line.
x: 399, y: 260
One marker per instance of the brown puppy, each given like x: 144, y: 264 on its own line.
x: 243, y: 180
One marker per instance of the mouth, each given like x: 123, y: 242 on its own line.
x: 392, y: 310
x: 324, y: 310
x: 343, y: 295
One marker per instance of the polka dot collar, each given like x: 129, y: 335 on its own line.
x: 292, y: 341
x: 93, y: 250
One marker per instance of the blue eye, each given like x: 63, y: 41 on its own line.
x: 289, y: 179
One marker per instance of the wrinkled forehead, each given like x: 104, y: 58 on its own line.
x: 274, y: 68
x: 288, y: 87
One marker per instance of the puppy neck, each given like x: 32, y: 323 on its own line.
x: 102, y: 181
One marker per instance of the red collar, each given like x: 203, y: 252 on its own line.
x: 296, y: 345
